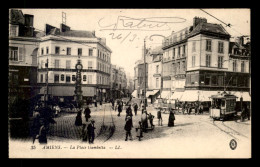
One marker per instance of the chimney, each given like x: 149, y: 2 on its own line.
x: 28, y: 20
x: 197, y: 20
x: 64, y: 28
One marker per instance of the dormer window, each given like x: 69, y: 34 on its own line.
x: 13, y: 31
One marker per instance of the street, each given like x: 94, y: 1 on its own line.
x: 199, y: 132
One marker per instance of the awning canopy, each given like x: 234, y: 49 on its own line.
x: 177, y: 95
x: 151, y: 92
x: 134, y: 94
x: 245, y: 95
x: 165, y: 94
x: 195, y: 95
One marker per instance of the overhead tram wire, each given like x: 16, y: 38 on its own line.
x: 228, y: 25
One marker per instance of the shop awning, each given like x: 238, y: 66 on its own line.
x: 134, y: 94
x: 195, y: 95
x: 176, y: 95
x: 165, y: 94
x: 245, y: 95
x: 151, y: 92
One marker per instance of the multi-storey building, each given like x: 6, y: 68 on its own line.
x: 23, y: 50
x: 174, y: 62
x: 59, y: 51
x: 140, y: 77
x: 154, y: 74
x: 118, y: 82
x: 210, y: 65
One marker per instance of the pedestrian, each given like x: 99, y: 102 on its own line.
x: 42, y: 135
x: 78, y: 121
x: 201, y: 109
x: 135, y: 108
x: 150, y: 118
x: 171, y: 118
x: 120, y: 108
x: 159, y: 116
x: 144, y: 121
x: 129, y: 111
x: 140, y: 127
x: 95, y: 103
x: 183, y: 108
x: 113, y: 103
x: 84, y: 135
x: 35, y: 128
x: 128, y: 128
x: 100, y: 103
x: 91, y: 131
x: 87, y: 112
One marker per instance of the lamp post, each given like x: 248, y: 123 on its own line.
x: 144, y: 76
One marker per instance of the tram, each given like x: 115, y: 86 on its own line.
x: 222, y: 106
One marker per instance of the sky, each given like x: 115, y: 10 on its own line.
x: 126, y: 29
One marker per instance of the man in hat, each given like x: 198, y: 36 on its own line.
x: 91, y: 131
x: 87, y: 113
x: 135, y: 108
x: 128, y: 127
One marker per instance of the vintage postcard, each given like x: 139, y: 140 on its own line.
x: 129, y: 83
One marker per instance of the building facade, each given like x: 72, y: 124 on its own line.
x: 59, y: 51
x: 23, y: 48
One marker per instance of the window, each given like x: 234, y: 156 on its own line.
x: 208, y: 45
x: 179, y: 51
x: 220, y: 47
x: 42, y: 51
x: 84, y: 78
x: 57, y: 63
x: 68, y: 62
x: 234, y: 65
x: 208, y: 60
x: 41, y: 78
x: 90, y: 52
x: 207, y: 80
x: 173, y: 53
x: 193, y: 61
x: 89, y: 64
x: 42, y: 64
x: 13, y: 31
x: 56, y: 78
x: 157, y: 69
x: 73, y: 77
x: 220, y: 80
x: 183, y: 65
x: 234, y: 81
x: 47, y: 50
x: 193, y: 46
x: 68, y: 51
x: 183, y: 51
x: 242, y: 66
x: 89, y: 79
x: 179, y: 66
x: 214, y: 80
x: 67, y: 78
x: 220, y: 61
x: 157, y: 82
x: 79, y: 51
x: 62, y: 77
x: 57, y: 50
x: 13, y: 53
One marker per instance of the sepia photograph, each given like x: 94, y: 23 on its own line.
x: 129, y: 83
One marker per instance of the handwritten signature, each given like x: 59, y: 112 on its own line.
x: 137, y: 24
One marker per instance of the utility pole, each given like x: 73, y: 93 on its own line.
x: 144, y: 76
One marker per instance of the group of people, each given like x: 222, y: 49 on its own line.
x: 89, y: 132
x: 187, y: 107
x: 42, y: 117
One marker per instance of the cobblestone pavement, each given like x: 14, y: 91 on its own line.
x: 185, y: 125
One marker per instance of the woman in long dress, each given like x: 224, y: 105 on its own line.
x: 171, y: 118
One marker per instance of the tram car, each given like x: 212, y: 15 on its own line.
x: 222, y: 106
